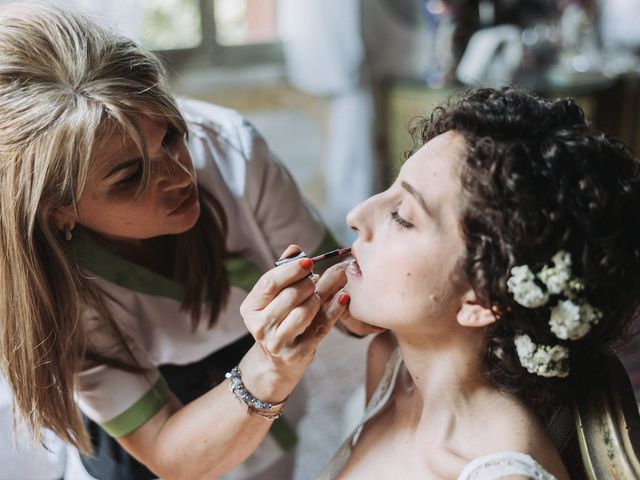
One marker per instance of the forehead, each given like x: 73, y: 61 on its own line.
x: 116, y: 144
x: 435, y: 168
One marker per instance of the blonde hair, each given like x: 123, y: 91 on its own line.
x: 65, y: 84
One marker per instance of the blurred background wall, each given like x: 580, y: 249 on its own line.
x: 334, y: 84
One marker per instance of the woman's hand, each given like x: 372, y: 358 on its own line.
x: 347, y: 324
x: 289, y: 314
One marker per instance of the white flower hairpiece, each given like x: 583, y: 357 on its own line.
x: 524, y: 288
x: 570, y: 321
x: 572, y: 317
x: 555, y: 278
x: 543, y: 360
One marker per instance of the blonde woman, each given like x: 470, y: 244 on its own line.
x: 131, y: 230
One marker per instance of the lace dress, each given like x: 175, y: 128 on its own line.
x: 487, y: 467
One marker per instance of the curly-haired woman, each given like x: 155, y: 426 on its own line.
x: 503, y: 260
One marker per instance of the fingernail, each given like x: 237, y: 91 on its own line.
x: 343, y: 299
x: 306, y: 263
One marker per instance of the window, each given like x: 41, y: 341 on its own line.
x: 218, y: 32
x: 245, y: 22
x: 171, y: 24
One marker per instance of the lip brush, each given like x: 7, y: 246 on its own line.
x: 333, y: 253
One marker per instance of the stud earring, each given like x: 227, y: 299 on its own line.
x: 67, y: 233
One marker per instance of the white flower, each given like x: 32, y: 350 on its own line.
x: 555, y: 278
x: 521, y: 274
x: 525, y: 291
x: 562, y: 259
x: 571, y: 321
x: 541, y: 357
x: 558, y: 353
x: 565, y: 319
x: 526, y: 348
x: 543, y: 360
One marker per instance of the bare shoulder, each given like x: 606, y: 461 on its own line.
x: 523, y: 431
x: 380, y: 350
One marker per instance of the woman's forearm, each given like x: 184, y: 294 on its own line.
x: 208, y: 437
x: 212, y: 434
x: 288, y: 314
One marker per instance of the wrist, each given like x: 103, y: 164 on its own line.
x: 266, y: 379
x: 256, y: 406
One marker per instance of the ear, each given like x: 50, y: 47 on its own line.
x: 472, y: 314
x: 63, y: 216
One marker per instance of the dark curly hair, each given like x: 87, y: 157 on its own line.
x: 538, y: 178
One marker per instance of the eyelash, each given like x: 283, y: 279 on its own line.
x: 399, y: 220
x: 170, y: 137
x: 132, y: 179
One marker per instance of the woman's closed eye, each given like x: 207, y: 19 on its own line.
x: 170, y: 137
x: 133, y: 177
x: 399, y: 220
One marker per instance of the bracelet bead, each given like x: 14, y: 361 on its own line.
x: 255, y: 406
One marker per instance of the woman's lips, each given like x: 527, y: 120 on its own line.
x: 187, y: 202
x: 354, y: 269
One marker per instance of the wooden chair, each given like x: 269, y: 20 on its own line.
x: 608, y: 427
x: 600, y: 437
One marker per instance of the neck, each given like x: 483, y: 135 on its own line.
x: 156, y: 253
x: 444, y: 375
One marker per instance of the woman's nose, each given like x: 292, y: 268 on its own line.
x: 174, y: 174
x: 359, y: 219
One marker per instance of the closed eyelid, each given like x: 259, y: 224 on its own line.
x: 401, y: 220
x: 127, y: 174
x: 122, y: 166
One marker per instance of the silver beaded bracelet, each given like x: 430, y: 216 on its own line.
x: 255, y: 406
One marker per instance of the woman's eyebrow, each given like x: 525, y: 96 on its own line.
x: 417, y: 196
x: 122, y: 166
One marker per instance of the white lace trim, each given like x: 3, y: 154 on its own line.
x: 503, y: 464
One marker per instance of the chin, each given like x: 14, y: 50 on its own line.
x: 363, y: 313
x: 187, y: 222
